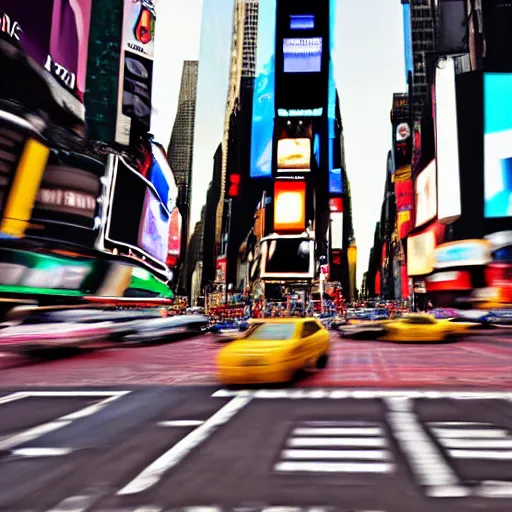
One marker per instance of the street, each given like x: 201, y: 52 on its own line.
x: 386, y: 428
x: 482, y: 360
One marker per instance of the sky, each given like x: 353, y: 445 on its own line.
x: 369, y: 68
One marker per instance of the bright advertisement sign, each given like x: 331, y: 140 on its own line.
x: 290, y: 206
x: 499, y: 277
x: 55, y: 34
x: 336, y: 205
x: 154, y: 227
x: 263, y: 106
x: 408, y: 54
x: 287, y: 257
x: 294, y: 154
x: 465, y: 253
x: 426, y: 195
x: 336, y: 230
x: 449, y: 206
x: 498, y: 144
x: 420, y: 253
x: 136, y: 69
x: 449, y: 281
x: 175, y: 227
x: 302, y: 55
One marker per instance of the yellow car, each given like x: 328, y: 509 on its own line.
x: 423, y: 328
x: 274, y: 351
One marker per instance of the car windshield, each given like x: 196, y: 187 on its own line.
x: 277, y: 332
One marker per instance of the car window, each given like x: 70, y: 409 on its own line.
x: 278, y: 332
x: 309, y: 328
x: 419, y: 320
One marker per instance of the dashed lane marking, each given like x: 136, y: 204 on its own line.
x: 181, y: 423
x: 41, y: 452
x: 152, y: 474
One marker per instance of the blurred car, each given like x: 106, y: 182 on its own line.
x: 32, y: 337
x: 274, y: 351
x: 165, y: 329
x: 229, y: 327
x: 409, y: 328
x: 421, y: 327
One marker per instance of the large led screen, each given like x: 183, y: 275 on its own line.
x: 336, y: 230
x: 263, y: 105
x: 447, y: 143
x: 302, y: 21
x: 288, y: 257
x: 420, y: 253
x: 426, y: 194
x: 302, y: 54
x: 498, y: 144
x: 290, y: 206
x: 294, y: 154
x: 154, y: 227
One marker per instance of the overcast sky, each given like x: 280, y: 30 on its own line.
x: 369, y: 68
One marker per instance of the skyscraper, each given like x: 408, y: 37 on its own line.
x: 243, y: 64
x: 180, y: 150
x: 419, y: 26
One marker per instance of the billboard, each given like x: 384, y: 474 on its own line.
x: 404, y: 197
x: 449, y: 206
x: 302, y: 21
x: 287, y: 257
x: 175, y: 234
x: 302, y: 54
x: 464, y: 253
x: 294, y: 154
x: 55, y: 34
x: 290, y: 206
x: 420, y: 253
x: 408, y: 55
x: 498, y: 145
x: 336, y: 230
x: 263, y: 107
x: 426, y: 195
x: 136, y: 67
x: 402, y: 137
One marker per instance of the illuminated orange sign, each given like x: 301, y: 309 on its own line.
x: 290, y: 206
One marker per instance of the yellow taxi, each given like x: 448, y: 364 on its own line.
x: 274, y: 351
x: 421, y: 327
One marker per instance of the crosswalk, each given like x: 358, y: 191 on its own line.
x: 472, y: 440
x: 336, y: 447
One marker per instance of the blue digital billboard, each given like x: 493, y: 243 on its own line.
x: 335, y: 181
x: 302, y: 54
x: 498, y: 144
x: 302, y: 21
x: 408, y: 57
x: 263, y: 108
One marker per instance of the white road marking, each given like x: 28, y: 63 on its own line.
x: 459, y: 424
x: 12, y: 398
x: 152, y: 474
x: 426, y: 461
x: 363, y: 395
x: 76, y: 393
x: 473, y: 433
x: 476, y: 444
x: 181, y: 423
x: 338, y: 431
x: 491, y: 489
x: 41, y: 452
x: 63, y: 421
x: 334, y: 467
x: 481, y: 454
x: 335, y: 454
x: 76, y: 503
x: 370, y: 442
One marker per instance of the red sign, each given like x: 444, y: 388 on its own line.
x: 175, y: 233
x: 449, y: 281
x: 499, y: 275
x: 336, y: 205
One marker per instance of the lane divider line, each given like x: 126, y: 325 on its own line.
x: 181, y: 423
x: 154, y: 472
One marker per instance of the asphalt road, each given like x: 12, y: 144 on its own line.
x: 179, y: 448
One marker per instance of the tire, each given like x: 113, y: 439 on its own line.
x: 322, y: 362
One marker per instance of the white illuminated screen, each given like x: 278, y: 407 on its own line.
x: 447, y: 143
x: 426, y: 194
x: 289, y: 207
x: 294, y: 154
x: 337, y: 230
x: 420, y: 257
